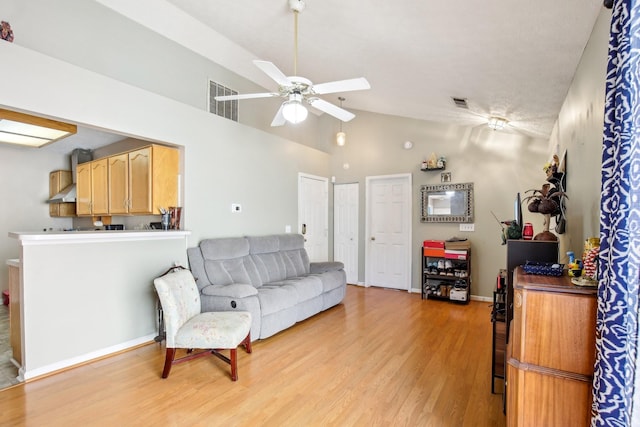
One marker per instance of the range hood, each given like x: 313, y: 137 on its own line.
x: 68, y: 194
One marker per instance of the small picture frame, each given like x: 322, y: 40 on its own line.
x: 445, y: 177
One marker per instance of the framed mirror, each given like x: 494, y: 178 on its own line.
x: 446, y: 203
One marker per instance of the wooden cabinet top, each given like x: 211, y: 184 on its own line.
x: 560, y: 284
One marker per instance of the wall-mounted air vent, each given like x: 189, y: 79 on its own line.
x: 460, y: 102
x: 226, y: 109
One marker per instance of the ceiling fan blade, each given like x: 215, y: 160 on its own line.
x: 272, y: 71
x: 329, y: 108
x: 342, y: 86
x: 246, y: 96
x: 279, y: 119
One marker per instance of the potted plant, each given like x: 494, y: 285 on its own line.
x: 549, y: 201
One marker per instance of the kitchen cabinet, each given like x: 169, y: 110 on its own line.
x: 99, y: 187
x: 153, y: 179
x: 551, y: 352
x: 83, y: 189
x: 58, y: 180
x: 92, y: 188
x: 119, y: 184
x: 136, y: 182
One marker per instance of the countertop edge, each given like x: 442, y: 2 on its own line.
x: 54, y: 237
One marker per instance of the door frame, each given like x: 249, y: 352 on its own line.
x: 407, y: 177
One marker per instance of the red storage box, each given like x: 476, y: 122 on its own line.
x: 434, y: 252
x: 455, y: 254
x: 438, y: 244
x: 5, y: 297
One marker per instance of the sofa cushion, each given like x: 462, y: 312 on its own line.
x: 274, y: 298
x: 226, y: 272
x: 236, y: 290
x: 306, y: 288
x: 331, y: 279
x: 263, y: 244
x: 296, y: 262
x: 270, y: 266
x: 288, y: 242
x: 224, y: 248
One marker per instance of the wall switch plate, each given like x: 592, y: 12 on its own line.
x: 236, y: 207
x: 287, y: 229
x: 467, y: 227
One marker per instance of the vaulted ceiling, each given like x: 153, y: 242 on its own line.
x: 514, y: 59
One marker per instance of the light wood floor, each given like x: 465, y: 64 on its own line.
x: 382, y: 358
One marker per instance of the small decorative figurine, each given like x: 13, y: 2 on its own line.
x: 6, y: 33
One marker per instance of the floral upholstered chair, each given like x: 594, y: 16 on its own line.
x: 188, y: 328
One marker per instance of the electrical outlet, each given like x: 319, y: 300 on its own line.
x: 467, y: 227
x: 236, y: 207
x: 287, y: 229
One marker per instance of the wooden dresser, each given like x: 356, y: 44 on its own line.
x: 551, y: 352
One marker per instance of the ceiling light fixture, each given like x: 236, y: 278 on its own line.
x: 293, y: 110
x: 341, y: 137
x: 497, y: 123
x: 32, y: 131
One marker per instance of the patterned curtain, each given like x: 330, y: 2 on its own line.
x: 617, y: 323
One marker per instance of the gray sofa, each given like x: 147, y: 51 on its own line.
x: 269, y: 276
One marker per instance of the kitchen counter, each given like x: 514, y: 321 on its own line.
x: 32, y: 237
x: 88, y: 294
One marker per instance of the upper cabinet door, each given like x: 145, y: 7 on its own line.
x: 119, y: 184
x: 99, y: 187
x: 140, y: 194
x: 83, y: 189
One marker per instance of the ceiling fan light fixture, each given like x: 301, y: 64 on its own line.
x: 497, y: 123
x: 293, y: 110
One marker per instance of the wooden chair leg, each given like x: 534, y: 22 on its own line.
x: 168, y: 361
x: 234, y: 363
x: 247, y: 343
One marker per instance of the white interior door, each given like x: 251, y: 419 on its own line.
x: 313, y: 215
x: 388, y: 228
x: 345, y: 228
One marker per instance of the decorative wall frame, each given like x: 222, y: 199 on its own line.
x: 446, y: 203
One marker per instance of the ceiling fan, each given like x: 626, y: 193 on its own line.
x: 297, y: 90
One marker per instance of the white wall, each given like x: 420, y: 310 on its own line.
x: 579, y: 131
x: 499, y: 164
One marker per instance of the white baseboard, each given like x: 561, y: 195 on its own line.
x: 64, y: 364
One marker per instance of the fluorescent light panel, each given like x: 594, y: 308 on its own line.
x: 23, y: 129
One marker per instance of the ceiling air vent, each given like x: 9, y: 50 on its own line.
x: 460, y: 102
x: 226, y: 109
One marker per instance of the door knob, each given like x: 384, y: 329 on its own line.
x: 373, y: 238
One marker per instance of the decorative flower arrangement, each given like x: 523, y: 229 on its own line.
x: 6, y: 33
x: 549, y: 200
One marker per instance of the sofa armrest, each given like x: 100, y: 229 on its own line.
x: 235, y: 290
x: 321, y: 267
